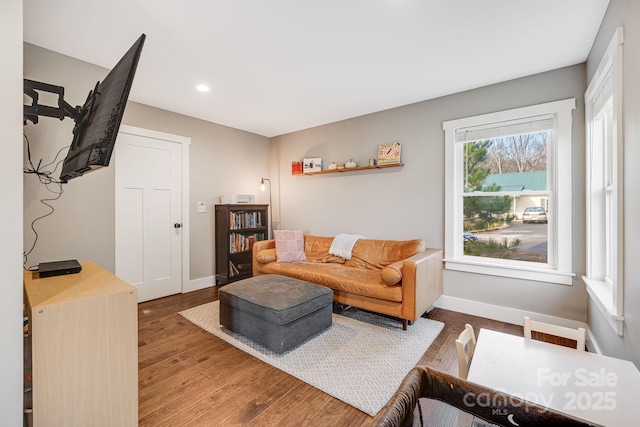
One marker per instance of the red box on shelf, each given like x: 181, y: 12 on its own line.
x: 296, y: 167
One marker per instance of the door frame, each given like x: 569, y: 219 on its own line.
x: 185, y: 142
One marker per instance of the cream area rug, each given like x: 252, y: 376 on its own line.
x: 361, y: 359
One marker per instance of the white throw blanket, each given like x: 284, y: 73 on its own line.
x: 343, y: 244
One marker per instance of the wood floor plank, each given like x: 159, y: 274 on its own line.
x: 170, y: 366
x: 274, y: 386
x: 164, y: 388
x: 155, y: 351
x: 174, y: 389
x: 197, y: 402
x: 272, y: 415
x: 158, y: 330
x: 225, y: 405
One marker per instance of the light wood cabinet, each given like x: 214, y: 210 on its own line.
x: 84, y: 330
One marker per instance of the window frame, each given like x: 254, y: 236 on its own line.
x: 558, y: 268
x: 604, y: 198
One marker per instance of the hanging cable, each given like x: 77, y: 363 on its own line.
x: 46, y: 178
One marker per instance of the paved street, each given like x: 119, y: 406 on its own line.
x: 533, y: 237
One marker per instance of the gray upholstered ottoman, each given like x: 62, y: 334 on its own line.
x: 276, y: 311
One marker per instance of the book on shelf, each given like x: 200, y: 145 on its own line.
x: 239, y: 242
x: 233, y: 271
x: 245, y: 219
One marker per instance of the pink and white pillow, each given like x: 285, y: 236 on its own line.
x: 289, y: 245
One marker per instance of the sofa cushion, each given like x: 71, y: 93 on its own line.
x: 365, y: 282
x: 378, y: 254
x: 266, y: 255
x: 317, y: 250
x: 392, y: 273
x: 289, y: 245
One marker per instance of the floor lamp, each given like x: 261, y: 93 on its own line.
x: 262, y: 180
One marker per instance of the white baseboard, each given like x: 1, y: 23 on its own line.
x: 197, y: 284
x: 506, y: 314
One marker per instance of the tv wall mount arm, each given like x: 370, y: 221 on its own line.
x: 31, y: 112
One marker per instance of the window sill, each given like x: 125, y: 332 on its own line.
x: 602, y: 296
x: 515, y: 272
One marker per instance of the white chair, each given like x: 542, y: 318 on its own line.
x: 579, y: 335
x: 465, y: 345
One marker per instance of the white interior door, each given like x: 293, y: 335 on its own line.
x: 149, y: 214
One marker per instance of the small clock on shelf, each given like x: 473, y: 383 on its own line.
x: 389, y: 153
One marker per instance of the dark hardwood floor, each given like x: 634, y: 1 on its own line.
x: 188, y: 377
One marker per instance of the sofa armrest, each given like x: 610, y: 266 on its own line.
x: 421, y: 282
x: 257, y: 247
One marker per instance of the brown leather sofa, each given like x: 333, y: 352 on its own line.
x: 397, y: 278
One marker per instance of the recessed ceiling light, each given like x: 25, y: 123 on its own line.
x: 202, y: 88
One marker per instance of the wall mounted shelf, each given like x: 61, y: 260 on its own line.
x: 359, y: 168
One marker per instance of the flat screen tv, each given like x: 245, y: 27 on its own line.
x: 97, y: 121
x: 94, y: 134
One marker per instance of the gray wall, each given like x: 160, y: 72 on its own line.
x: 222, y: 160
x: 11, y: 390
x: 408, y: 202
x: 624, y: 13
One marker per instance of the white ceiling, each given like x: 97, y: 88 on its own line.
x: 277, y: 66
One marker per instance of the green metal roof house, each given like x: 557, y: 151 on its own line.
x: 518, y: 181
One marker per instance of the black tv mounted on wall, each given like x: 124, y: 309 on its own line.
x: 97, y: 121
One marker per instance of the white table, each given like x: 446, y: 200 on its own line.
x: 596, y: 388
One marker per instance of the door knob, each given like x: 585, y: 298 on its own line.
x: 177, y: 225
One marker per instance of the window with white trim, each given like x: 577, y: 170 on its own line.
x: 603, y: 102
x: 508, y: 193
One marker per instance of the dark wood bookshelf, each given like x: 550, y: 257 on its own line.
x: 237, y: 227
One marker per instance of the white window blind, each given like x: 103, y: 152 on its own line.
x: 506, y: 128
x: 603, y: 94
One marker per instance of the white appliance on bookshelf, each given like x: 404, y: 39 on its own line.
x: 233, y: 199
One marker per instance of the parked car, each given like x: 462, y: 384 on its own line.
x: 534, y: 214
x: 469, y: 237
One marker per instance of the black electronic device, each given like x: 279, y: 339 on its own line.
x: 97, y: 121
x: 58, y: 268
